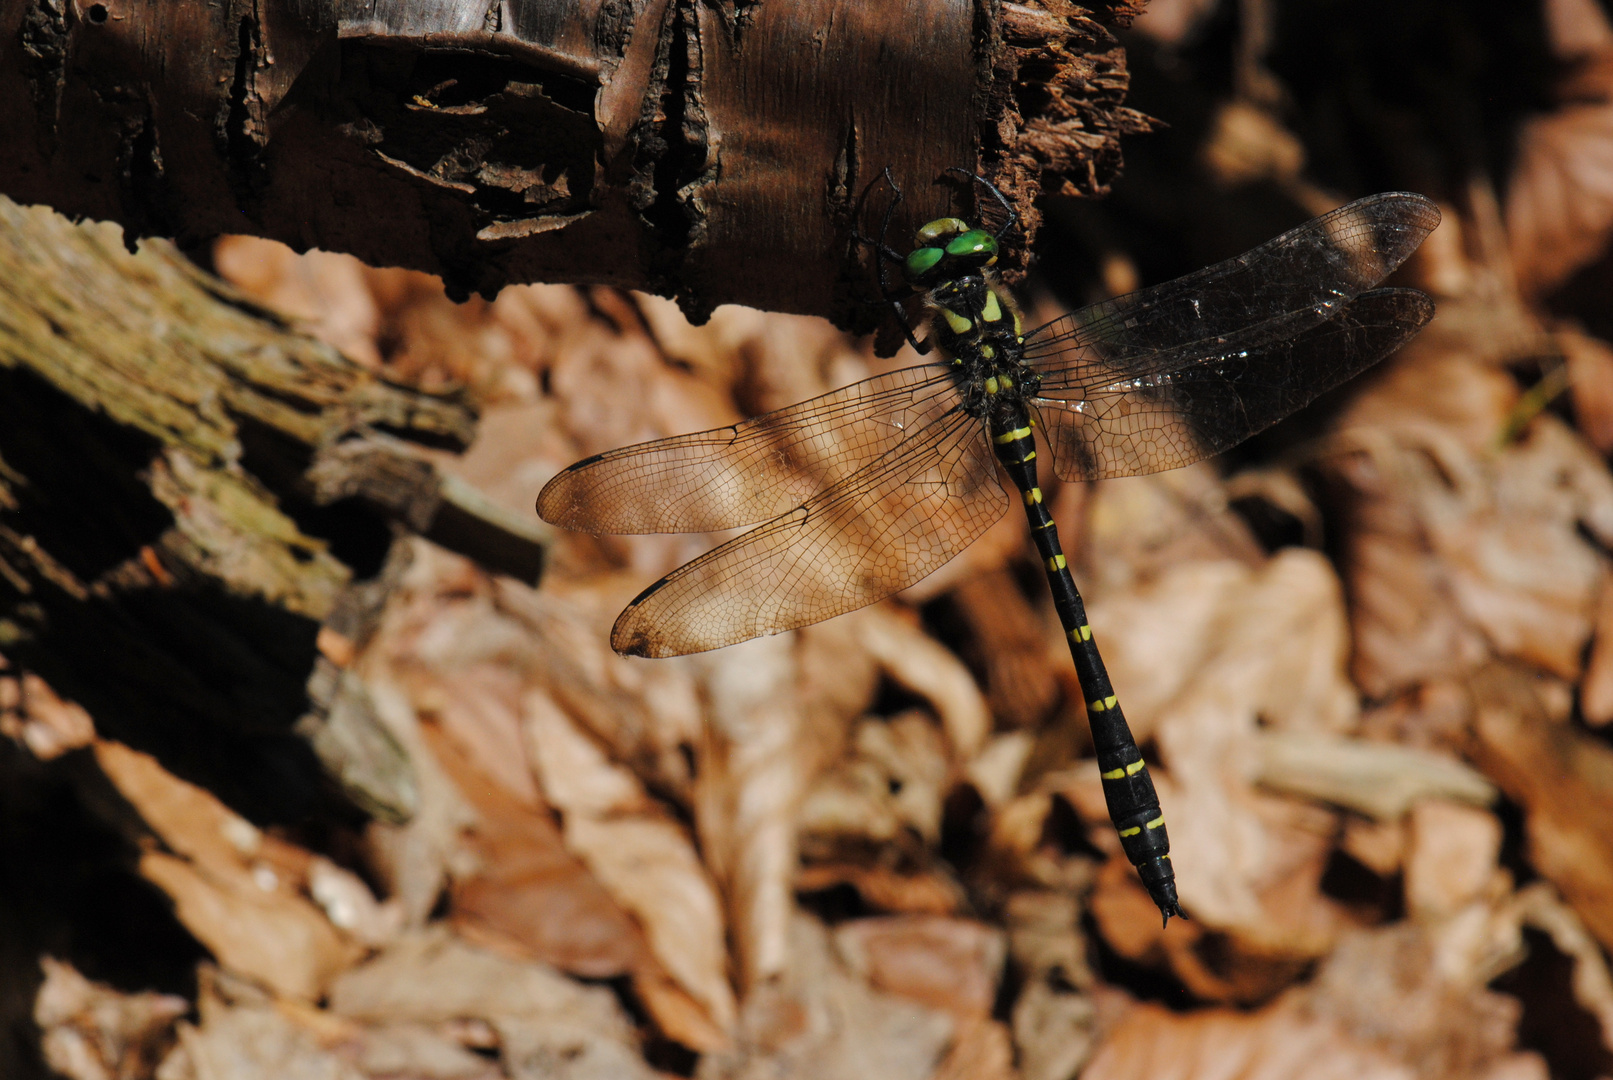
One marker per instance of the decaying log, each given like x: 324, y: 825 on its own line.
x: 199, y: 514
x: 711, y: 151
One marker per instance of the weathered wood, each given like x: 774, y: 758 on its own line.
x: 197, y: 506
x: 711, y: 151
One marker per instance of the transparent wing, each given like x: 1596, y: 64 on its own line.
x: 751, y: 472
x: 1210, y: 403
x: 900, y: 517
x: 1276, y: 290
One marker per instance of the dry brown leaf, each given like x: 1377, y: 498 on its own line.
x: 981, y: 1050
x: 1250, y: 647
x: 1128, y: 531
x: 576, y: 775
x: 890, y: 784
x: 543, y: 1020
x: 527, y: 892
x: 816, y: 1021
x: 1590, y: 381
x: 1563, y: 779
x: 1560, y: 196
x: 644, y: 859
x: 945, y: 963
x: 278, y: 939
x: 759, y: 757
x: 923, y: 892
x: 1152, y: 1043
x: 48, y: 726
x: 227, y: 880
x: 1408, y: 1002
x: 419, y: 1052
x: 255, y: 1042
x: 1007, y: 642
x: 1450, y: 859
x: 649, y: 866
x: 920, y: 664
x: 1054, y: 1017
x: 479, y: 707
x: 1455, y: 550
x: 89, y: 1031
x: 1378, y: 779
x: 1596, y: 688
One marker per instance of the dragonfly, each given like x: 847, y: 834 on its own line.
x: 855, y: 495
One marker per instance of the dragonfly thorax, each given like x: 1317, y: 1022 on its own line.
x: 976, y: 324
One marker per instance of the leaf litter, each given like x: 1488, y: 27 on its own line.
x: 878, y: 847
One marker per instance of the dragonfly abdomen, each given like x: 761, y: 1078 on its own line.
x: 1128, y: 790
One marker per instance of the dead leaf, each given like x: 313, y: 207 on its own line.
x: 1590, y: 381
x: 889, y: 787
x: 224, y: 882
x: 1559, y: 199
x: 817, y: 1020
x: 1450, y: 859
x: 543, y: 1020
x: 945, y: 963
x: 1380, y: 780
x: 1596, y: 688
x: 89, y: 1031
x: 758, y: 760
x: 919, y: 663
x: 1564, y: 782
x: 50, y: 726
x: 981, y: 1050
x: 528, y: 892
x: 1251, y: 647
x: 642, y: 858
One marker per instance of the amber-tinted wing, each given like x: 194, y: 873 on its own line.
x: 753, y: 471
x: 1167, y: 419
x: 900, y: 517
x: 1131, y: 382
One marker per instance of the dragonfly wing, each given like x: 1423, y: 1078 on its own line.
x: 897, y: 519
x: 1174, y: 417
x: 750, y: 472
x: 1297, y: 279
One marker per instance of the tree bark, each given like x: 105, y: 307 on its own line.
x: 199, y: 515
x: 715, y: 152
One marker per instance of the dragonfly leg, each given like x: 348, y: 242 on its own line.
x: 996, y: 192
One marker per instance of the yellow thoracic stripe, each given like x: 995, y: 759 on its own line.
x: 1056, y: 563
x: 1011, y: 436
x: 1100, y: 704
x: 1033, y: 496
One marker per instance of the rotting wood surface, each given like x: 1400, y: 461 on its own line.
x: 712, y: 152
x: 173, y: 462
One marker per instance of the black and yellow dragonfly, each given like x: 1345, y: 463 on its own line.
x: 859, y: 493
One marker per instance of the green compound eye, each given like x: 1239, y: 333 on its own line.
x: 974, y: 242
x: 940, y: 229
x: 921, y: 261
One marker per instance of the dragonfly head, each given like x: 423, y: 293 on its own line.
x: 945, y: 247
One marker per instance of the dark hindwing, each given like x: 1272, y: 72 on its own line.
x: 1297, y: 279
x: 898, y: 518
x: 1126, y: 384
x: 1207, y: 403
x: 751, y: 472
